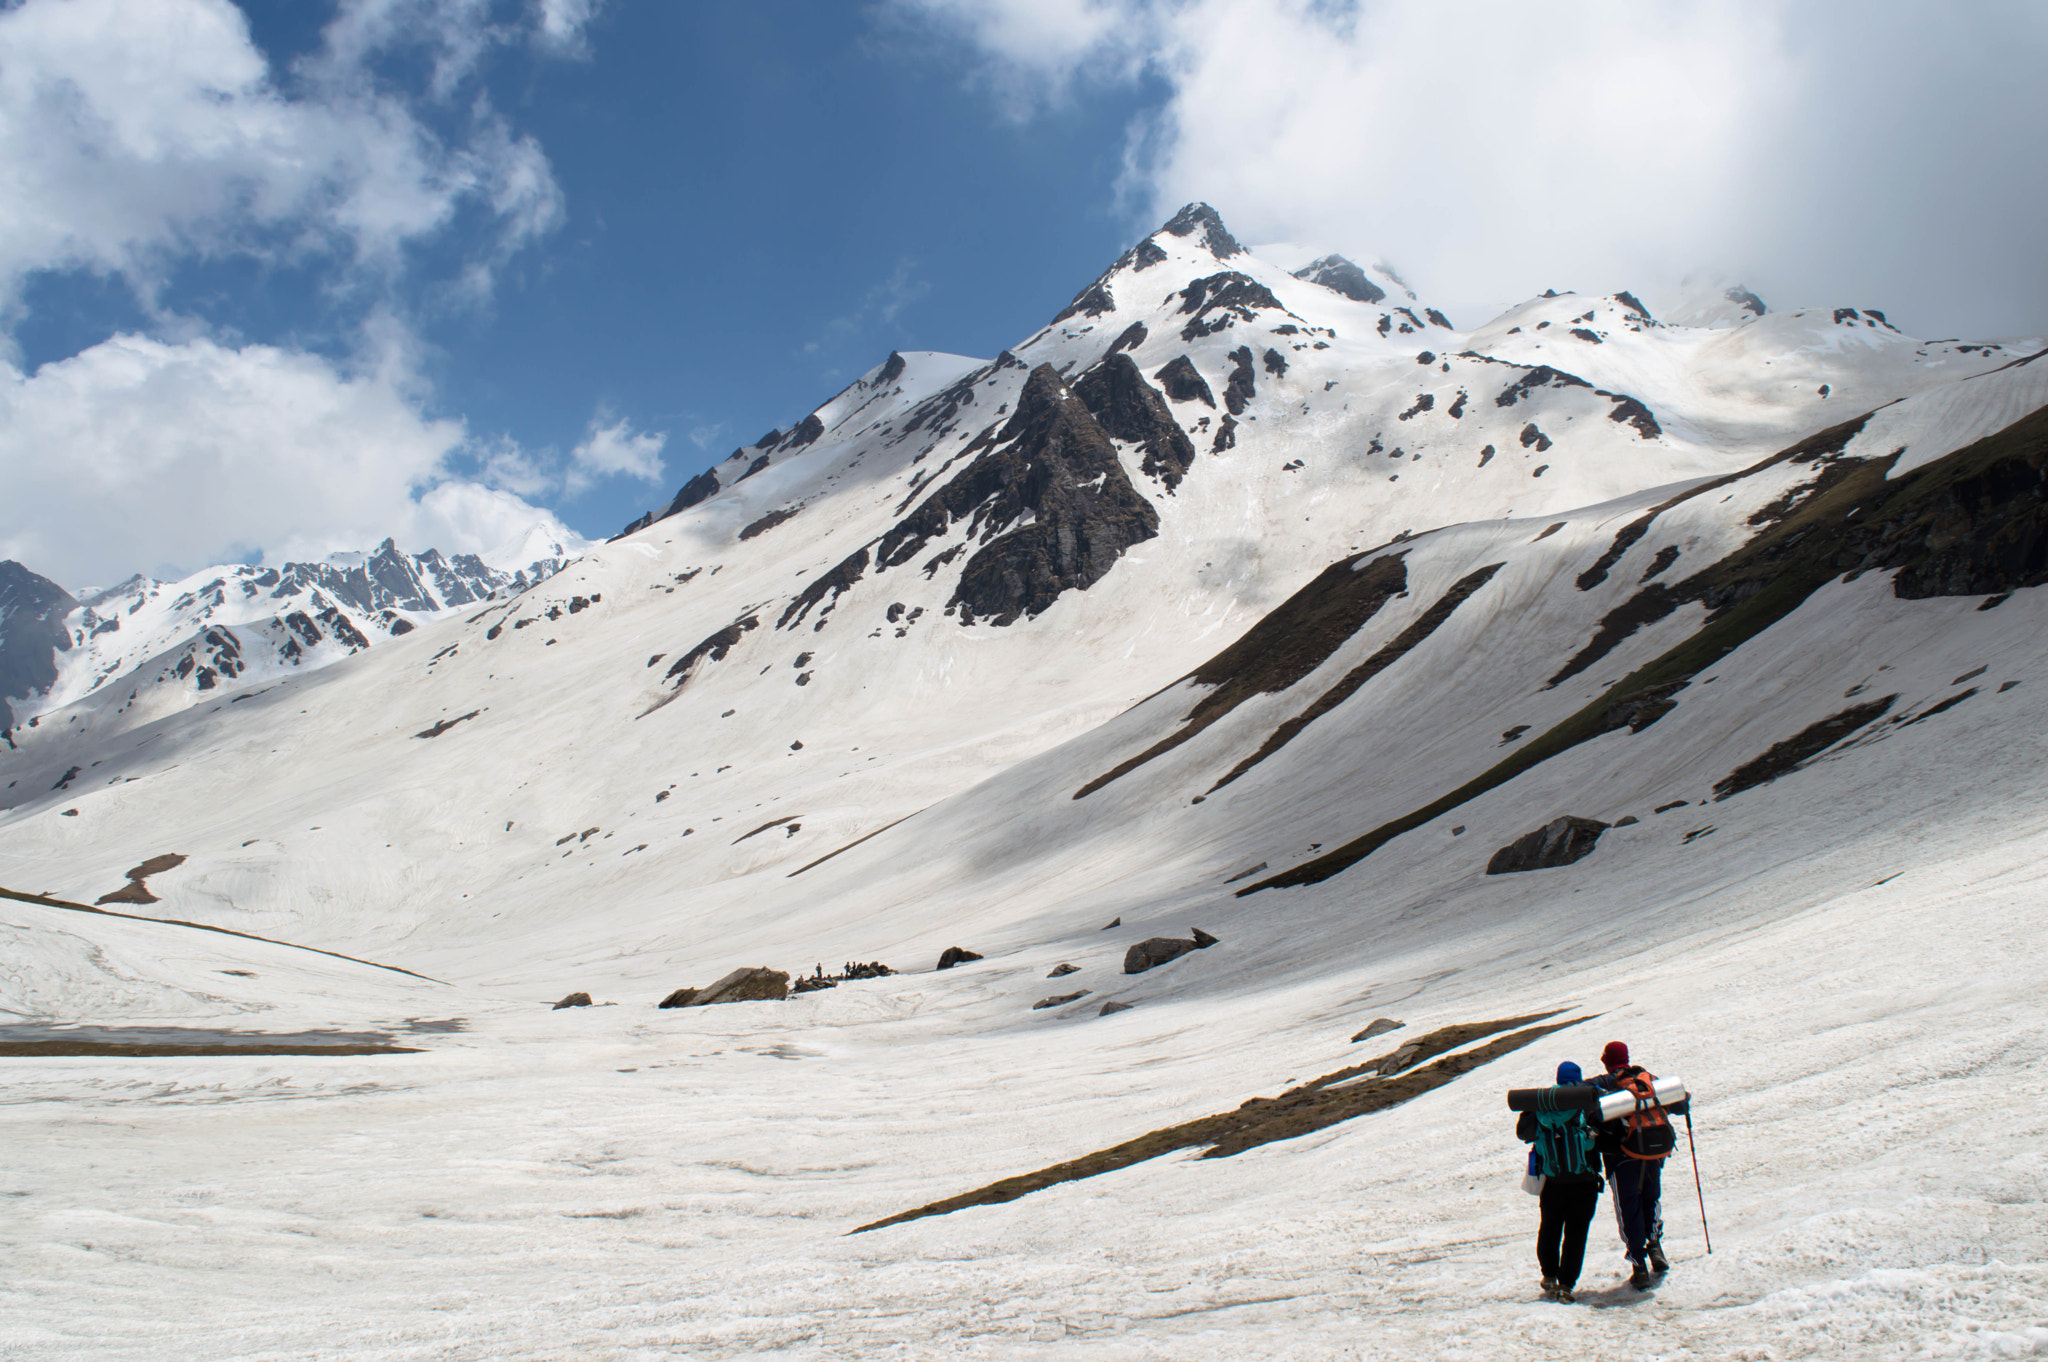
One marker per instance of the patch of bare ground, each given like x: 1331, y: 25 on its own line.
x: 1299, y: 1111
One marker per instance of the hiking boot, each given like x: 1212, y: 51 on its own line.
x: 1549, y: 1287
x: 1564, y: 1296
x: 1658, y: 1264
x: 1640, y: 1278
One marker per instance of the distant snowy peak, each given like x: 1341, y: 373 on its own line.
x: 1713, y: 301
x: 235, y: 622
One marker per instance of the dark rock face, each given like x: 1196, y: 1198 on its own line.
x: 715, y: 648
x: 1158, y: 950
x: 1785, y: 757
x: 1113, y: 1006
x: 1222, y: 300
x: 573, y: 1000
x: 700, y: 488
x: 1062, y: 970
x: 770, y: 521
x: 1340, y: 275
x: 1054, y: 464
x: 1059, y: 999
x: 807, y: 431
x: 1146, y: 254
x: 956, y: 955
x: 1558, y: 842
x: 32, y: 633
x: 1243, y: 385
x: 682, y: 997
x: 892, y: 370
x: 1130, y: 409
x: 1282, y: 648
x: 1746, y: 300
x: 1184, y: 383
x: 834, y: 583
x: 1131, y: 339
x: 1092, y: 301
x: 1199, y: 219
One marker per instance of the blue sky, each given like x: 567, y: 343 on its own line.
x: 287, y: 276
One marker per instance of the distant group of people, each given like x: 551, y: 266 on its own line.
x: 871, y: 969
x: 1577, y: 1155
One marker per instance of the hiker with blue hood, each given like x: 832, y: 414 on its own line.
x: 1563, y: 1156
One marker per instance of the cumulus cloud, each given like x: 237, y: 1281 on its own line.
x: 1493, y: 148
x: 135, y: 134
x: 560, y: 24
x: 615, y: 449
x: 139, y: 453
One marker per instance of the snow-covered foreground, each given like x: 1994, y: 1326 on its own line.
x: 619, y: 1182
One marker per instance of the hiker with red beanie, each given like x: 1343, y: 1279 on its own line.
x: 1633, y: 1147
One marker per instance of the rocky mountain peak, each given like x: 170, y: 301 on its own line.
x: 1336, y: 273
x: 1201, y: 221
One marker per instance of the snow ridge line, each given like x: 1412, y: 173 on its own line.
x: 48, y: 902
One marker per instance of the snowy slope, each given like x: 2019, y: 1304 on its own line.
x: 992, y: 654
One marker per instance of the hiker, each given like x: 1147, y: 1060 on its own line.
x: 1564, y: 1155
x: 1633, y: 1148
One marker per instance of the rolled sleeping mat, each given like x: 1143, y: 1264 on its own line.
x: 1598, y: 1105
x: 1670, y: 1094
x: 1565, y: 1097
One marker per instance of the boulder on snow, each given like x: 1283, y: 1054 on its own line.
x: 1113, y: 922
x: 1114, y: 1006
x: 957, y: 955
x: 682, y: 997
x: 573, y: 1000
x: 1157, y: 950
x: 1558, y: 842
x: 1061, y: 969
x: 747, y: 984
x: 1380, y: 1026
x: 1059, y: 998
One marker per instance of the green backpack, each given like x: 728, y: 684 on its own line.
x: 1564, y: 1145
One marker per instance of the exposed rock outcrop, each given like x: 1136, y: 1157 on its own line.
x: 956, y: 955
x: 1159, y: 950
x: 1336, y: 273
x: 1131, y: 409
x: 573, y: 1000
x: 1561, y: 841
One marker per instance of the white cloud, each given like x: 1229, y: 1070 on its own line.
x: 138, y: 133
x: 1492, y: 148
x: 614, y: 450
x: 559, y: 24
x: 138, y: 453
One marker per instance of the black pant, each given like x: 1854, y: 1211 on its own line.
x: 1638, y: 1187
x: 1561, y: 1240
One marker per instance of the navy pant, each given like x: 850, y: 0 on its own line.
x: 1638, y: 1189
x: 1561, y: 1238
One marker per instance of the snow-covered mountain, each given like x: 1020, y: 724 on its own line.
x: 163, y: 645
x: 1253, y: 599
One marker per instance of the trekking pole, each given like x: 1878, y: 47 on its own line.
x: 1696, y: 1178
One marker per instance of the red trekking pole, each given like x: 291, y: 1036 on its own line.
x: 1695, y: 1149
